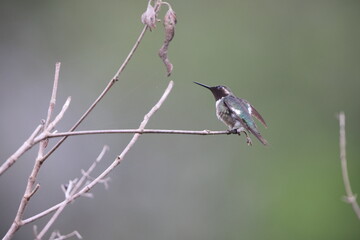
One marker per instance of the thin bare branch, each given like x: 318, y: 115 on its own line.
x: 44, y: 143
x: 115, y: 163
x: 57, y: 236
x: 43, y: 213
x: 144, y: 122
x: 53, y: 95
x: 50, y: 222
x: 71, y: 190
x: 350, y: 197
x: 86, y: 174
x: 29, y: 192
x: 129, y: 131
x: 34, y: 190
x: 91, y: 168
x: 60, y: 115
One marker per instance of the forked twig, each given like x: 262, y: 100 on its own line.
x: 53, y: 95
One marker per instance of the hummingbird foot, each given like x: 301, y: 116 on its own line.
x: 232, y: 131
x: 239, y: 131
x: 248, y: 139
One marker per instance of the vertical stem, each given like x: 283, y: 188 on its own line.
x: 350, y: 197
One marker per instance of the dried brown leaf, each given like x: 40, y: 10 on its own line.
x: 169, y: 25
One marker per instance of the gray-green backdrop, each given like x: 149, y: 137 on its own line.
x: 298, y: 62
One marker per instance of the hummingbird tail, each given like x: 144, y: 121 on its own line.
x: 258, y: 136
x: 262, y: 140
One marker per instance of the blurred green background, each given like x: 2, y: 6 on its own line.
x: 297, y: 62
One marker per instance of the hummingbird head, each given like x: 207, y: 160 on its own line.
x: 218, y: 91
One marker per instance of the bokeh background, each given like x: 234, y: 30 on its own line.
x: 298, y: 62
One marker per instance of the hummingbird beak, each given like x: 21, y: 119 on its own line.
x: 203, y: 85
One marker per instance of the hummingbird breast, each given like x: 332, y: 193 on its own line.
x: 225, y: 115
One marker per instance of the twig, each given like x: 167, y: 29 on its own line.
x: 53, y: 95
x: 52, y: 124
x: 127, y: 131
x: 34, y: 190
x: 57, y: 236
x: 90, y: 169
x: 71, y: 191
x: 144, y: 122
x: 50, y: 222
x: 350, y: 197
x: 44, y: 143
x: 115, y: 163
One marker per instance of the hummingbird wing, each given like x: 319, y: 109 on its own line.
x: 244, y: 111
x: 254, y: 112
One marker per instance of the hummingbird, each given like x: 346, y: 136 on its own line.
x: 236, y: 113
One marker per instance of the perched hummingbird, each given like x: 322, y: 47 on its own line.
x: 236, y: 113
